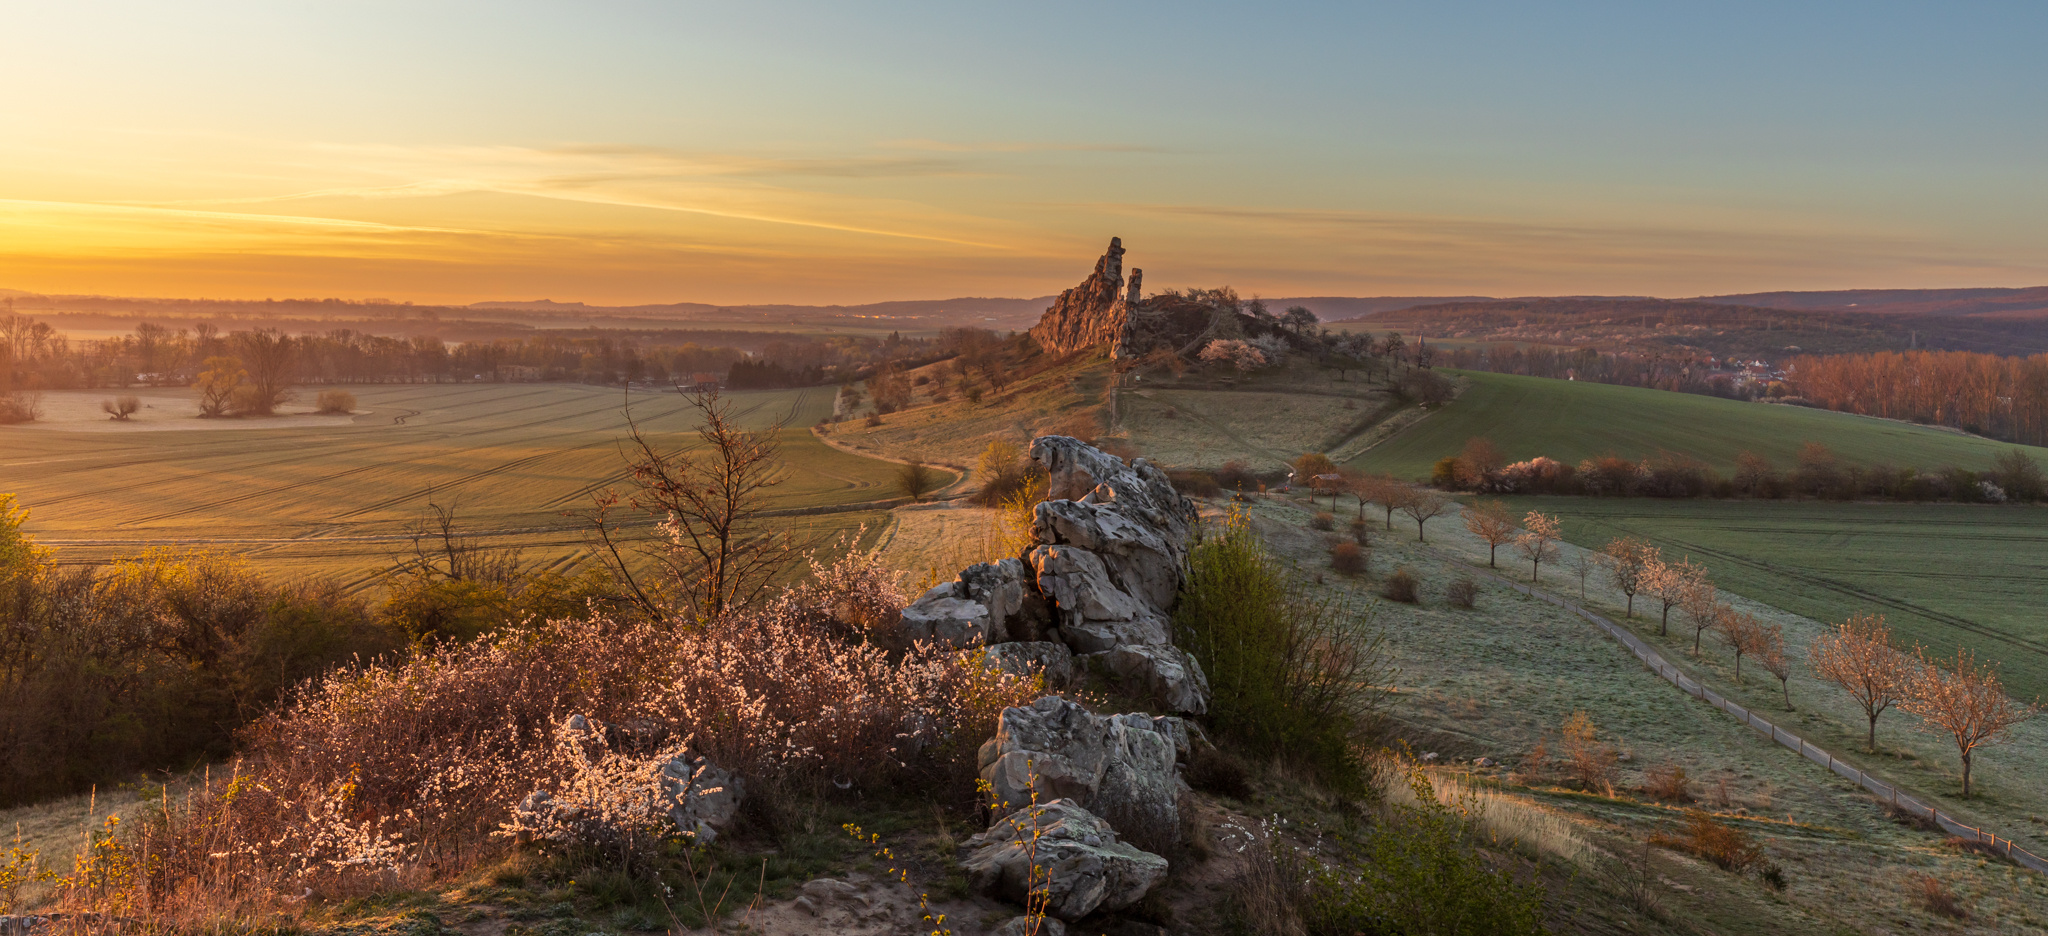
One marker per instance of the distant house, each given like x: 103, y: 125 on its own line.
x: 703, y: 382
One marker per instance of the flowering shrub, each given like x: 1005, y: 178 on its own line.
x: 381, y: 768
x: 1238, y: 354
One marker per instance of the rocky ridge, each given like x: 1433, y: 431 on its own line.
x: 1073, y: 792
x: 1104, y: 310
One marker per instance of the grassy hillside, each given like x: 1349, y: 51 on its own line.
x: 1570, y: 421
x: 334, y: 495
x: 1943, y: 574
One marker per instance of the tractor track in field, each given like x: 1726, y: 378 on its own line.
x: 360, y: 450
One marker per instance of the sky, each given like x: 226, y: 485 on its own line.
x: 622, y: 152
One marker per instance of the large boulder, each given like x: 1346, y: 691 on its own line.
x: 1124, y: 767
x: 1068, y: 854
x: 940, y: 618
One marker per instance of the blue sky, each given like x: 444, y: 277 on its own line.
x: 808, y: 152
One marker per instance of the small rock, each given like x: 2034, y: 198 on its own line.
x: 1429, y: 758
x: 1027, y: 926
x: 704, y: 798
x: 805, y: 904
x: 827, y: 890
x: 1486, y: 762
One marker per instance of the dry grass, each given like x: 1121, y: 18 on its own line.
x: 1935, y: 897
x: 1509, y: 820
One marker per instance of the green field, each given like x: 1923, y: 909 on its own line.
x: 335, y: 495
x: 1943, y: 574
x: 1572, y: 420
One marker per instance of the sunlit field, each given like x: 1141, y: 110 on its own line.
x: 335, y: 495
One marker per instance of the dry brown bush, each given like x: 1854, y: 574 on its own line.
x: 1323, y: 521
x: 1400, y: 586
x: 1668, y: 782
x: 1715, y: 841
x: 335, y: 402
x: 377, y: 768
x: 1348, y: 558
x: 1936, y: 898
x: 1463, y: 592
x: 1588, y: 760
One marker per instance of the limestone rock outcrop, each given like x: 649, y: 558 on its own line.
x: 1122, y: 766
x: 1104, y: 311
x: 1089, y: 314
x: 1102, y: 580
x: 1082, y: 866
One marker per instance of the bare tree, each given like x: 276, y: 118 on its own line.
x: 917, y: 479
x: 1489, y: 520
x: 1582, y: 562
x: 1858, y: 656
x: 1423, y: 504
x: 1390, y: 494
x: 218, y: 383
x: 715, y: 549
x: 441, y: 550
x: 272, y: 361
x: 1742, y: 632
x: 1628, y: 563
x: 1671, y: 584
x: 1770, y: 651
x: 1965, y: 701
x: 1698, y: 598
x: 1538, y: 541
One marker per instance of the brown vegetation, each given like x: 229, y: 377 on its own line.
x: 1491, y: 522
x: 1964, y: 700
x: 1858, y: 656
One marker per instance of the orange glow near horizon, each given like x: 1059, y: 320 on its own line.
x: 807, y: 153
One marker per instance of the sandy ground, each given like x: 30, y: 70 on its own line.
x: 163, y: 409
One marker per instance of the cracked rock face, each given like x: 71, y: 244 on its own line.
x: 1119, y: 766
x: 1102, y: 579
x: 1082, y: 866
x: 1089, y: 314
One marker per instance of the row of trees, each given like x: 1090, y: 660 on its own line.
x: 1959, y: 698
x: 1818, y: 472
x: 34, y: 356
x: 2002, y: 397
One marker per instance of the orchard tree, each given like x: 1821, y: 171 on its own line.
x: 1628, y: 562
x: 1489, y: 520
x: 1538, y: 541
x: 1423, y: 504
x: 1742, y: 632
x: 1770, y: 652
x: 1698, y: 598
x: 1964, y: 700
x: 1582, y: 562
x: 1858, y: 656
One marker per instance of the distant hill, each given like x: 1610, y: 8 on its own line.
x: 2031, y: 302
x: 1003, y: 314
x: 1339, y: 308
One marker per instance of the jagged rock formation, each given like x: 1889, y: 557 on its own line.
x: 1104, y: 311
x: 1101, y: 579
x: 1089, y: 314
x: 1116, y: 765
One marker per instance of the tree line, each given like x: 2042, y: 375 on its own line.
x: 1986, y: 394
x: 1818, y: 472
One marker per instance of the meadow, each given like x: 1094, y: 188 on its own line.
x: 1573, y: 420
x: 1943, y: 574
x: 1500, y: 679
x: 336, y: 495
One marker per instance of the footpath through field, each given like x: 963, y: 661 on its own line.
x: 1657, y: 664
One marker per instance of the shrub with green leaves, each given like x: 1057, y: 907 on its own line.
x: 1292, y: 671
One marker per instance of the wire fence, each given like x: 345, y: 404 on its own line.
x: 1897, y: 798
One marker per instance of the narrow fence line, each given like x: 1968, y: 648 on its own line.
x: 1656, y: 663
